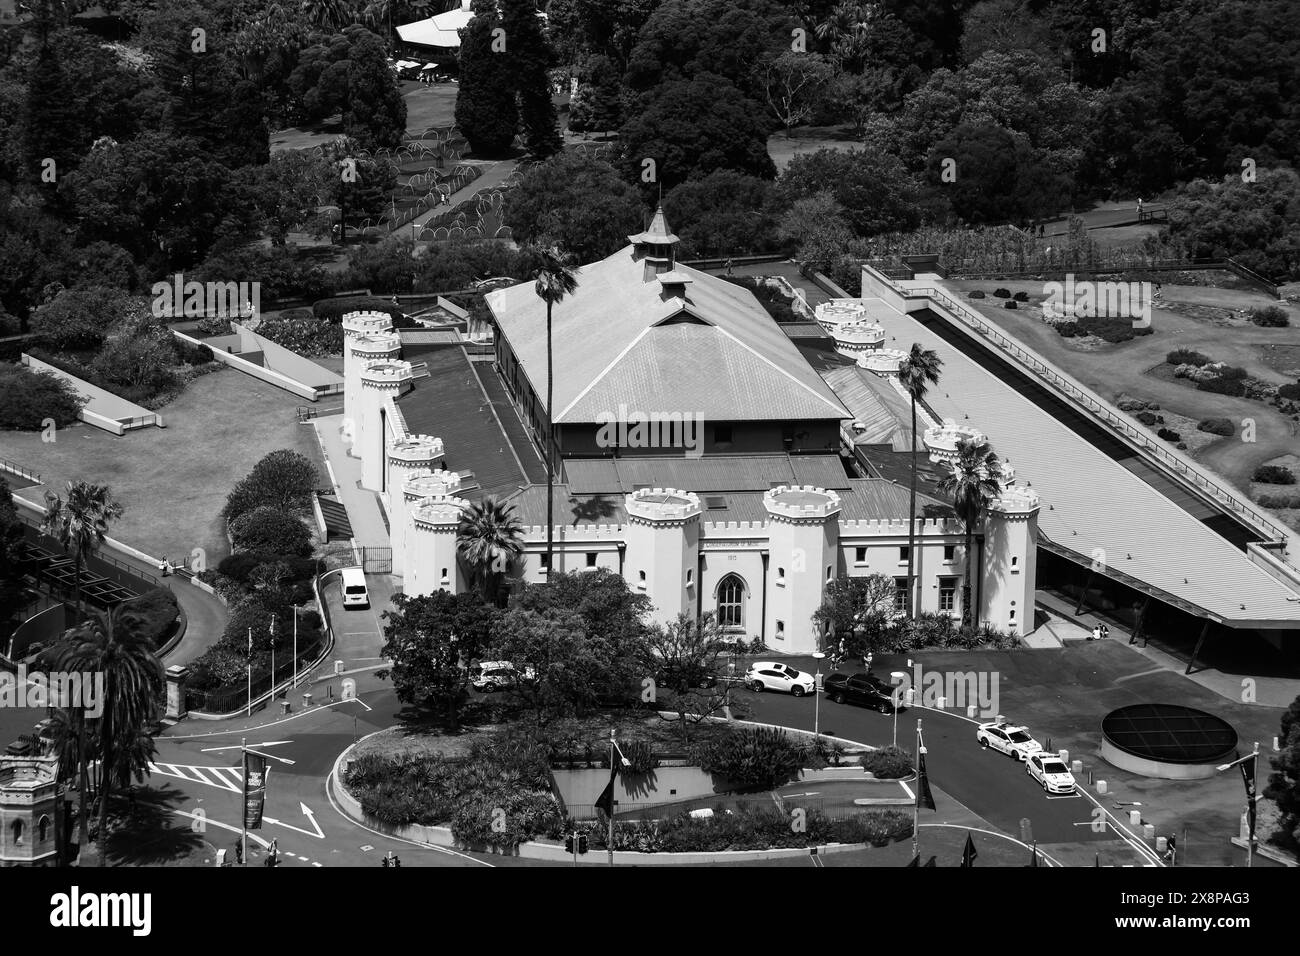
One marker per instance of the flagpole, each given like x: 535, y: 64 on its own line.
x: 1254, y: 801
x: 243, y: 808
x: 609, y: 837
x: 250, y: 672
x: 916, y: 804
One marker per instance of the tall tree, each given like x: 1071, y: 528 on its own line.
x: 1284, y: 782
x: 916, y: 374
x: 973, y: 481
x: 582, y: 204
x: 486, y: 109
x: 114, y: 644
x: 553, y: 281
x: 11, y: 536
x: 80, y: 522
x: 489, y: 537
x: 531, y: 59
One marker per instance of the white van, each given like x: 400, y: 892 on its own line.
x: 354, y: 588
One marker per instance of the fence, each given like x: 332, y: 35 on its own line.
x: 1105, y: 265
x: 234, y: 697
x: 14, y: 468
x: 1108, y: 414
x: 105, y: 565
x: 721, y: 805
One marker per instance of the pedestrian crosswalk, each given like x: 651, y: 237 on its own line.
x: 223, y: 778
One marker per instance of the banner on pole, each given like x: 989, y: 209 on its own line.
x: 254, y: 790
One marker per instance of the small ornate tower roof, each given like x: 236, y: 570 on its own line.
x: 655, y: 247
x: 658, y: 233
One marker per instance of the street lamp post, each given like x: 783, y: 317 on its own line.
x: 897, y: 677
x: 817, y: 697
x: 1251, y: 799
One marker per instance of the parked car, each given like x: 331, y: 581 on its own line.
x: 1050, y: 771
x: 1011, y: 740
x: 770, y: 675
x: 676, y: 674
x: 862, y: 688
x: 492, y: 676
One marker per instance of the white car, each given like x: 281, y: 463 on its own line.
x: 770, y: 675
x: 1007, y: 738
x: 1050, y: 771
x: 491, y: 676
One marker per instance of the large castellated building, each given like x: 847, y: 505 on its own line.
x: 697, y: 454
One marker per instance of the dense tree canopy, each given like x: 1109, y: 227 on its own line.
x: 580, y: 203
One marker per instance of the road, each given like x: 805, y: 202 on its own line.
x: 990, y: 784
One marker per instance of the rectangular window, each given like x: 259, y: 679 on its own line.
x: 780, y: 630
x: 900, y: 594
x: 591, y: 559
x: 902, y: 553
x: 859, y: 555
x: 949, y: 552
x: 546, y: 561
x: 947, y: 594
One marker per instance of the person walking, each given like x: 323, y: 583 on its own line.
x: 729, y: 264
x: 1105, y: 631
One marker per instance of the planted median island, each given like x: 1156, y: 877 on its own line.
x: 501, y: 786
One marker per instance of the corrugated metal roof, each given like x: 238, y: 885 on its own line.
x: 869, y: 498
x: 874, y: 404
x: 708, y: 474
x: 615, y: 306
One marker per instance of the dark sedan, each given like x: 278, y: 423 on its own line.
x: 861, y: 688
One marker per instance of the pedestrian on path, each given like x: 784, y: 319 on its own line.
x: 1105, y: 631
x: 273, y: 853
x: 1095, y: 635
x: 728, y: 267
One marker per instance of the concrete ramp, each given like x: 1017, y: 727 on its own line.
x: 103, y: 409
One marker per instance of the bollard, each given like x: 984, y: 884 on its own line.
x: 349, y: 688
x: 338, y: 667
x: 942, y: 703
x: 910, y: 697
x: 1135, y: 818
x: 284, y: 706
x: 1162, y: 844
x: 1026, y: 830
x: 970, y: 711
x: 1076, y: 768
x: 1064, y: 755
x: 306, y: 700
x: 1148, y: 831
x: 1101, y: 786
x: 1000, y: 719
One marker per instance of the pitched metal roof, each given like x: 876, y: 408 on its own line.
x: 621, y: 338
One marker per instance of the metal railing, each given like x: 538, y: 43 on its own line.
x: 14, y: 468
x: 1103, y: 410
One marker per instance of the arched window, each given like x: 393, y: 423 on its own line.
x: 18, y: 832
x: 43, y: 829
x: 731, y: 601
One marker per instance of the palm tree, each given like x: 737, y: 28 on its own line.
x: 489, y: 537
x: 973, y: 482
x: 113, y: 646
x: 80, y: 523
x: 916, y: 374
x: 331, y: 14
x: 554, y: 282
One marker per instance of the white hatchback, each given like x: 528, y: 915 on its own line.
x: 771, y: 675
x: 1051, y: 772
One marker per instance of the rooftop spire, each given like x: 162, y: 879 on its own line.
x: 657, y: 233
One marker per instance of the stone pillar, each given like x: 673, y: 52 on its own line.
x: 176, y: 675
x: 430, y: 561
x: 803, y: 544
x: 380, y: 382
x: 402, y: 500
x: 663, y: 544
x: 1010, y: 560
x: 373, y: 328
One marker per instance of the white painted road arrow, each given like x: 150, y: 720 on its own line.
x: 311, y: 818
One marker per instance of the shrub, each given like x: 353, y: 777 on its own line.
x: 1009, y: 304
x: 977, y: 294
x: 1021, y: 297
x: 1279, y: 501
x: 760, y: 758
x: 1168, y: 434
x: 1187, y: 357
x: 158, y: 611
x: 1271, y: 317
x: 1222, y: 386
x: 193, y: 354
x: 333, y: 310
x: 268, y: 530
x: 1002, y: 293
x: 1274, y: 475
x: 1291, y: 392
x: 888, y: 763
x: 1232, y: 372
x: 284, y: 479
x: 1217, y: 426
x: 28, y: 398
x: 1148, y: 418
x: 308, y: 336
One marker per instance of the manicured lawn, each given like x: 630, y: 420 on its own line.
x: 809, y: 139
x: 173, y: 481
